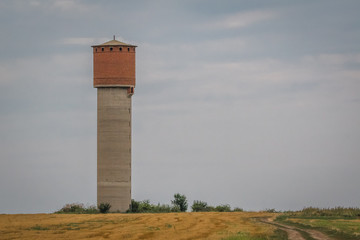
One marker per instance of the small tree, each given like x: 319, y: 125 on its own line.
x: 104, y: 207
x: 180, y: 201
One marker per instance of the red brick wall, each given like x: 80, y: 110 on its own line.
x: 115, y: 68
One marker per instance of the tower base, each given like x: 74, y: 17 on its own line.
x: 114, y: 148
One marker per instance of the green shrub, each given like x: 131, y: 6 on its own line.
x: 78, y: 208
x: 223, y: 208
x: 180, y: 201
x: 91, y: 210
x: 200, y: 206
x: 175, y: 209
x: 104, y: 207
x: 271, y: 210
x: 134, y: 207
x: 161, y: 208
x: 238, y: 209
x: 165, y: 208
x: 211, y: 209
x: 72, y: 208
x: 146, y: 207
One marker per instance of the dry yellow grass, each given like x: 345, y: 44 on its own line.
x: 131, y: 226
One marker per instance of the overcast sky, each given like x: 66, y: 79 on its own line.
x: 250, y: 103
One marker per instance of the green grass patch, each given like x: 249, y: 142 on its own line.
x: 333, y: 226
x: 153, y: 228
x: 39, y: 228
x: 278, y: 235
x: 168, y: 225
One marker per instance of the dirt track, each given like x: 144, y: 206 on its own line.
x: 294, y: 232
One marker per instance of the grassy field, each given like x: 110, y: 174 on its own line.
x: 338, y: 228
x: 199, y: 225
x: 190, y: 225
x: 338, y: 223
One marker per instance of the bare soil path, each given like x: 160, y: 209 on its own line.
x: 294, y: 233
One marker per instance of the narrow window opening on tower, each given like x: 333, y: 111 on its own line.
x: 95, y: 49
x: 120, y: 49
x: 102, y: 49
x: 128, y: 49
x: 111, y: 49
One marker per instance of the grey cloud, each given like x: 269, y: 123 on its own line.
x: 241, y: 19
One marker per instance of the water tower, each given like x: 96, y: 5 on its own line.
x: 114, y: 78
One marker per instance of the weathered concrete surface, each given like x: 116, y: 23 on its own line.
x: 114, y: 148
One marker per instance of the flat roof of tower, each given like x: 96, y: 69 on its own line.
x: 114, y: 43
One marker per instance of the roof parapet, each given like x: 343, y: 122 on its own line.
x: 114, y: 43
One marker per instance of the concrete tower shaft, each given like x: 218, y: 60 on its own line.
x: 114, y: 78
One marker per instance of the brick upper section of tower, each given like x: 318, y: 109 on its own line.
x: 114, y: 64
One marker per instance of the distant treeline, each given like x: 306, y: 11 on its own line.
x: 198, y: 206
x: 179, y: 204
x: 326, y: 212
